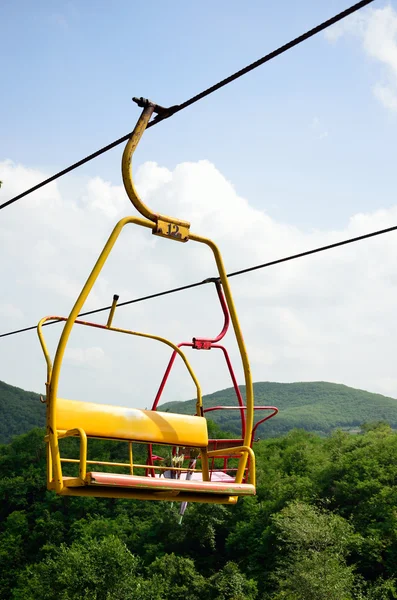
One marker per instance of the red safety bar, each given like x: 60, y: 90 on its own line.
x: 204, y: 344
x: 214, y: 444
x: 272, y: 408
x: 228, y: 443
x: 208, y: 344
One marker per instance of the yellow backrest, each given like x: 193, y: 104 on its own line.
x: 117, y: 422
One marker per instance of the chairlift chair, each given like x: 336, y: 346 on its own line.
x: 75, y: 418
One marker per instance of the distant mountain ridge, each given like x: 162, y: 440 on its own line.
x: 318, y: 407
x: 315, y: 406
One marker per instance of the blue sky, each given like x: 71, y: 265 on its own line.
x: 72, y: 68
x: 297, y: 154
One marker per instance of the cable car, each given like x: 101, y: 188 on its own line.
x: 197, y: 482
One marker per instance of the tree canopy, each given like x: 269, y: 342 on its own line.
x: 322, y: 526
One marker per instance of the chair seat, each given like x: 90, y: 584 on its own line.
x: 160, y: 484
x: 123, y: 423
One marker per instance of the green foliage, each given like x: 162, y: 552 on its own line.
x: 314, y: 545
x: 231, y: 584
x: 380, y: 589
x: 91, y: 569
x: 178, y: 578
x: 317, y: 576
x: 323, y: 525
x: 20, y: 411
x: 304, y: 528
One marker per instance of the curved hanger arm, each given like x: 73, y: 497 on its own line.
x: 126, y: 169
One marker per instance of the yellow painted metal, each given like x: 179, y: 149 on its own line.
x: 46, y: 356
x: 160, y: 222
x: 103, y: 492
x: 74, y: 482
x: 205, y: 464
x: 136, y: 465
x: 131, y: 457
x: 172, y: 230
x: 130, y: 188
x: 126, y: 163
x: 83, y: 448
x: 119, y: 330
x: 112, y: 310
x: 50, y: 475
x: 96, y: 462
x: 77, y: 420
x: 118, y: 422
x: 249, y: 391
x: 53, y: 372
x: 238, y: 450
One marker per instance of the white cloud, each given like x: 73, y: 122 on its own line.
x: 93, y: 357
x: 386, y: 95
x: 326, y: 317
x: 377, y: 31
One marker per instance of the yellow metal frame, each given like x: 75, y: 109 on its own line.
x: 108, y: 327
x: 171, y: 228
x: 154, y: 217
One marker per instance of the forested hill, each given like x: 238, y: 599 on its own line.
x: 20, y: 411
x: 316, y: 406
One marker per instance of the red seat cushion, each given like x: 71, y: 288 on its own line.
x: 165, y: 484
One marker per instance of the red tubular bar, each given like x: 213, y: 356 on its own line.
x: 263, y: 420
x: 197, y: 344
x: 272, y: 408
x: 208, y: 344
x: 211, y: 408
x: 236, y: 388
x: 150, y: 461
x: 203, y: 344
x: 232, y: 375
x: 167, y: 373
